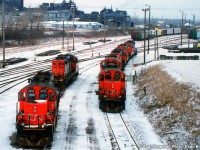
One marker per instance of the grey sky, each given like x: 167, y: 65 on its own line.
x: 160, y: 8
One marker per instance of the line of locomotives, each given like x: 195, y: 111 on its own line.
x: 112, y: 83
x: 38, y: 102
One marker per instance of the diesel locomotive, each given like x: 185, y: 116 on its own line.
x: 38, y: 102
x: 112, y: 80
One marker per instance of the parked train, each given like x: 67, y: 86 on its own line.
x: 64, y: 69
x: 138, y: 34
x: 112, y: 84
x: 37, y: 106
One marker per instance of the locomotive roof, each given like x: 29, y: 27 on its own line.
x: 117, y: 50
x: 122, y: 45
x: 107, y: 58
x: 112, y: 56
x: 110, y: 69
x: 67, y: 57
x: 42, y: 78
x: 41, y: 84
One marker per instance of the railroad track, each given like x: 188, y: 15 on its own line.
x: 12, y: 81
x: 162, y: 42
x: 120, y: 134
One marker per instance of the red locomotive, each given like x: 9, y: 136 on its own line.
x: 112, y: 85
x: 112, y: 90
x: 124, y: 54
x: 38, y: 102
x: 131, y: 47
x: 37, y: 109
x: 65, y: 69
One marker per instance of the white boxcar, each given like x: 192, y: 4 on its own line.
x: 177, y: 30
x: 170, y: 31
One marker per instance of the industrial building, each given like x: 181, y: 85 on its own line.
x: 66, y: 11
x: 11, y: 5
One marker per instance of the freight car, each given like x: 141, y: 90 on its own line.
x: 138, y: 34
x: 112, y: 90
x: 65, y: 69
x: 37, y: 110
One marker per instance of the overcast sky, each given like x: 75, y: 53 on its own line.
x: 160, y: 8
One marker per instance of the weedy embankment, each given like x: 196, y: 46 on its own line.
x: 172, y: 107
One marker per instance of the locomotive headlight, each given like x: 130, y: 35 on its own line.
x: 44, y: 124
x: 34, y: 109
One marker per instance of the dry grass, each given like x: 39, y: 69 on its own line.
x: 177, y: 104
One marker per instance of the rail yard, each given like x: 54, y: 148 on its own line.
x: 80, y: 122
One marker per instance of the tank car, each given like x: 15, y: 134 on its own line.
x: 37, y: 110
x: 65, y: 69
x: 112, y: 90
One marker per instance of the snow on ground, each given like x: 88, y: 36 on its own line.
x: 79, y: 112
x: 184, y: 71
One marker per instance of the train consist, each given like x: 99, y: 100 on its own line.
x: 112, y: 83
x: 37, y: 106
x: 138, y: 34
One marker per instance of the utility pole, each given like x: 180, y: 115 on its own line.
x: 155, y: 48
x: 145, y: 10
x: 104, y: 32
x: 157, y: 44
x: 73, y: 26
x: 182, y: 28
x: 193, y: 19
x: 67, y: 37
x: 3, y: 32
x: 189, y: 36
x: 149, y: 26
x: 63, y: 33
